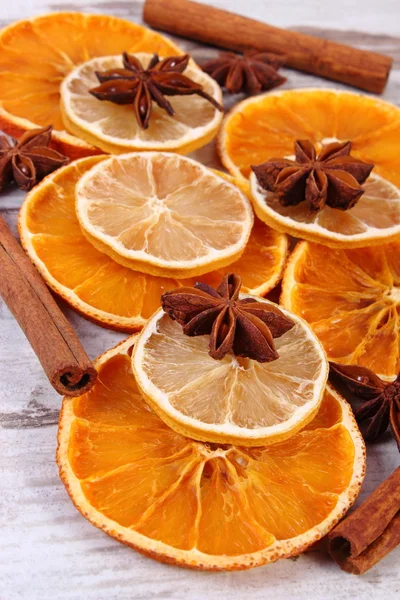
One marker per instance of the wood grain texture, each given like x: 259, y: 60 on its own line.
x: 50, y: 552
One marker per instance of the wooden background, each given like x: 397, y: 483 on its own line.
x: 48, y: 551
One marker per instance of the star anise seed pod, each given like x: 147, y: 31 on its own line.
x: 133, y: 84
x: 380, y: 405
x: 28, y: 159
x: 251, y: 72
x: 333, y: 178
x: 245, y: 326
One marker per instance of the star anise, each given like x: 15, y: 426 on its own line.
x: 332, y: 178
x: 251, y: 72
x: 28, y: 160
x: 380, y: 400
x: 133, y: 84
x: 246, y: 327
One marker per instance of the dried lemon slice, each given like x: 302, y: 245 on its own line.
x: 114, y: 128
x: 233, y: 400
x: 163, y: 214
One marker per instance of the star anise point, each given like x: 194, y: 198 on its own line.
x: 251, y: 72
x: 139, y: 86
x: 245, y: 326
x: 332, y: 178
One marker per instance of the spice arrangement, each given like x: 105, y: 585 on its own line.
x: 211, y: 438
x: 251, y: 72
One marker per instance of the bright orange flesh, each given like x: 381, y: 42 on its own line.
x: 99, y: 287
x: 35, y: 55
x: 189, y: 496
x: 267, y: 127
x: 351, y: 298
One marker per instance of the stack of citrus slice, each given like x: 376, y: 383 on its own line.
x: 344, y: 280
x: 36, y: 55
x: 203, y: 505
x: 114, y: 295
x: 267, y: 126
x: 109, y: 233
x: 113, y: 128
x: 183, y: 220
x: 49, y: 63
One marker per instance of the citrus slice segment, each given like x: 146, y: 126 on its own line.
x: 163, y: 214
x: 233, y: 400
x: 199, y: 505
x: 113, y: 127
x: 36, y: 54
x: 98, y: 287
x: 351, y: 299
x: 260, y: 266
x: 266, y: 126
x: 375, y: 217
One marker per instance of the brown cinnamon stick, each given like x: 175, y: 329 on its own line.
x: 359, y: 68
x: 64, y: 361
x: 369, y: 533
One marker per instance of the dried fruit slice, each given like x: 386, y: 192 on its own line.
x: 266, y: 126
x: 233, y: 400
x: 163, y: 214
x: 375, y: 217
x: 36, y: 54
x: 101, y: 289
x: 351, y: 299
x: 114, y: 128
x: 261, y: 264
x: 194, y: 504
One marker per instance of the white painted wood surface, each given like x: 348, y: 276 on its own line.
x: 48, y: 551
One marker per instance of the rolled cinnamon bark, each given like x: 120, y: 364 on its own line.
x: 369, y: 533
x: 57, y: 346
x: 359, y: 68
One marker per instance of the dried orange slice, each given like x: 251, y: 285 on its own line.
x: 101, y: 289
x: 163, y: 214
x: 36, y: 54
x: 260, y: 266
x: 200, y: 505
x: 351, y: 299
x: 233, y: 400
x: 266, y: 126
x: 373, y: 220
x: 114, y: 128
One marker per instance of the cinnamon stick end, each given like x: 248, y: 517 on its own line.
x: 340, y: 550
x: 370, y: 532
x: 74, y: 380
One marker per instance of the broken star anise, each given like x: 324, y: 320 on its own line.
x: 332, y: 178
x: 29, y: 159
x: 380, y: 400
x: 134, y: 84
x: 251, y: 72
x: 244, y: 326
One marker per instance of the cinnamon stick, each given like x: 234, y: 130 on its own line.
x: 369, y: 533
x: 359, y: 68
x: 64, y: 361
